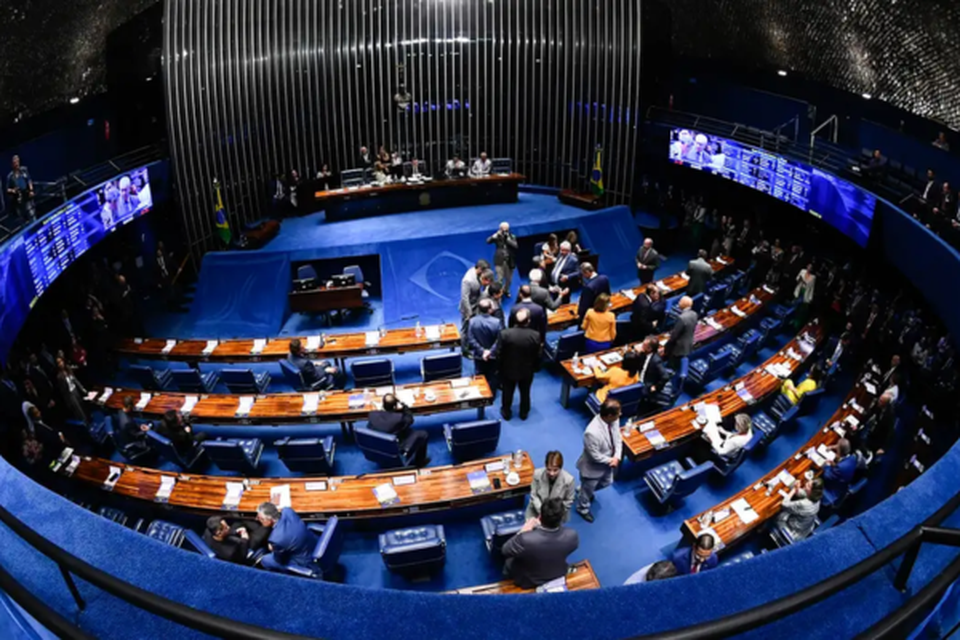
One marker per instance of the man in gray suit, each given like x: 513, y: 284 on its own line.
x: 474, y: 281
x: 551, y: 481
x: 602, y: 448
x: 504, y: 258
x: 680, y: 343
x: 541, y: 295
x: 538, y: 553
x: 700, y: 273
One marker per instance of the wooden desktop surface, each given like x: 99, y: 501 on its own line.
x: 282, y: 408
x: 676, y: 424
x: 338, y: 345
x: 323, y: 299
x: 566, y: 315
x: 704, y: 333
x: 731, y: 529
x: 373, y: 191
x: 580, y: 577
x: 433, y: 489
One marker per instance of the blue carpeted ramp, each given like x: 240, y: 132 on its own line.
x: 241, y: 294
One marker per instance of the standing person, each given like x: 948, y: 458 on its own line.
x: 680, y: 343
x: 20, y: 190
x: 543, y: 296
x: 565, y: 270
x: 71, y: 391
x: 551, y: 481
x: 700, y: 273
x: 648, y: 261
x: 599, y: 326
x: 804, y: 292
x: 481, y: 337
x: 518, y: 351
x: 505, y: 256
x: 602, y: 449
x: 471, y: 287
x: 648, y: 311
x: 538, y: 552
x: 593, y: 285
x: 538, y: 317
x: 494, y: 293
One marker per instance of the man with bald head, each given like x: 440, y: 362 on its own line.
x: 541, y: 295
x: 538, y: 317
x: 518, y: 352
x: 504, y: 257
x: 680, y: 343
x: 648, y: 261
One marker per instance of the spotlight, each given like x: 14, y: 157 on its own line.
x: 867, y: 96
x: 74, y: 100
x: 781, y: 73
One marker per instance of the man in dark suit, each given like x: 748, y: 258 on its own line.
x: 680, y: 343
x: 518, y: 351
x: 396, y: 419
x: 648, y: 311
x: 316, y: 375
x: 652, y: 372
x: 494, y: 294
x: 541, y: 295
x: 179, y: 432
x: 125, y: 427
x: 593, y: 285
x: 234, y: 542
x: 881, y: 424
x: 700, y: 558
x: 483, y: 332
x: 538, y: 317
x: 538, y: 553
x: 648, y: 261
x: 364, y: 159
x: 565, y: 270
x: 700, y: 273
x: 290, y: 541
x: 505, y: 256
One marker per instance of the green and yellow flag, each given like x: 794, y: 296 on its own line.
x: 223, y: 227
x: 596, y: 176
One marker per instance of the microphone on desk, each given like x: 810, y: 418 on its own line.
x: 383, y: 327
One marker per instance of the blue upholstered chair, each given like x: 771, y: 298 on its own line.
x: 312, y: 456
x: 781, y: 404
x: 294, y: 378
x: 195, y: 541
x: 564, y: 347
x: 770, y: 425
x: 783, y: 312
x: 382, y: 448
x: 500, y: 527
x: 673, y: 481
x: 377, y: 372
x: 165, y: 449
x: 667, y: 396
x: 624, y: 330
x: 165, y: 532
x: 194, y: 381
x: 749, y: 343
x: 724, y: 466
x: 445, y: 366
x: 242, y: 456
x: 414, y: 551
x: 131, y: 450
x: 811, y: 401
x: 245, y: 381
x: 469, y: 440
x: 769, y: 328
x: 114, y: 515
x: 96, y: 429
x: 357, y: 274
x: 326, y: 552
x: 149, y: 378
x: 629, y: 398
x: 703, y: 370
x: 309, y: 273
x: 737, y: 559
x: 716, y: 296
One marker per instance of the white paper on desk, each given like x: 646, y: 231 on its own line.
x: 591, y: 362
x: 280, y: 496
x: 712, y: 412
x: 490, y: 467
x: 313, y: 343
x: 258, y: 346
x: 852, y: 421
x: 768, y: 289
x: 246, y: 404
x: 432, y: 332
x: 168, y: 347
x: 793, y: 354
x: 210, y: 346
x: 736, y: 311
x: 315, y: 486
x: 107, y: 392
x: 372, y: 338
x: 646, y: 426
x: 611, y: 358
x: 91, y: 395
x: 815, y: 457
x: 872, y: 390
x: 143, y: 402
x: 234, y: 494
x: 629, y: 294
x: 189, y: 403
x: 664, y: 288
x: 655, y: 438
x: 840, y: 431
x: 382, y: 391
x: 311, y: 401
x: 713, y: 323
x: 685, y: 275
x: 786, y: 478
x: 856, y: 407
x: 826, y: 453
x: 744, y: 511
x: 470, y: 393
x: 167, y: 483
x: 460, y: 383
x: 138, y: 341
x: 722, y: 261
x: 113, y: 477
x: 407, y: 397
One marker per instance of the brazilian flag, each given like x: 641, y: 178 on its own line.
x: 596, y: 176
x: 223, y: 227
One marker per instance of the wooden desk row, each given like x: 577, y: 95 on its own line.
x: 420, y: 490
x: 704, y: 333
x: 731, y: 529
x: 676, y: 425
x: 566, y: 315
x: 288, y: 408
x: 337, y: 346
x: 580, y: 577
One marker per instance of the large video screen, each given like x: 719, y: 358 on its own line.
x: 839, y: 203
x: 35, y: 257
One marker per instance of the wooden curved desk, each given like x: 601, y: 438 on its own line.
x: 337, y: 346
x: 433, y: 489
x: 676, y: 425
x: 566, y: 315
x: 287, y: 408
x: 580, y: 577
x: 731, y: 529
x: 704, y: 333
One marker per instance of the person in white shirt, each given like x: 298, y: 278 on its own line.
x: 455, y: 167
x: 481, y: 166
x: 725, y: 443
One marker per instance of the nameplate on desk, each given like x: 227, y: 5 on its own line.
x: 400, y: 481
x: 460, y: 383
x: 167, y: 483
x: 494, y: 466
x: 113, y: 476
x: 722, y: 261
x: 138, y: 341
x: 315, y: 486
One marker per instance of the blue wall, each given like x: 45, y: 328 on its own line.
x: 910, y: 151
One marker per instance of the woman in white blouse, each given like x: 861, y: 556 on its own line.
x: 725, y: 443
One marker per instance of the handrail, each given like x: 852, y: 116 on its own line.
x: 182, y: 614
x: 37, y: 608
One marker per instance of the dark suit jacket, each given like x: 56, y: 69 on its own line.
x: 543, y: 298
x: 683, y: 559
x: 591, y: 289
x: 645, y: 312
x: 312, y: 372
x: 519, y: 353
x: 233, y: 548
x: 506, y: 251
x: 837, y: 478
x: 538, y: 317
x: 539, y: 556
x: 700, y: 273
x: 571, y: 269
x: 648, y: 258
x: 881, y: 426
x: 680, y: 343
x: 391, y: 422
x: 656, y: 373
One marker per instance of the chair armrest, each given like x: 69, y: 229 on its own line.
x: 196, y: 541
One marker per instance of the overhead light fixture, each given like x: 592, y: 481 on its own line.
x: 867, y: 96
x: 781, y: 73
x: 74, y: 100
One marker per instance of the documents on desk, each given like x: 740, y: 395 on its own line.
x: 737, y: 312
x: 856, y: 407
x: 168, y: 347
x: 611, y: 358
x: 399, y: 481
x: 245, y: 405
x: 211, y: 345
x: 713, y: 324
x: 816, y: 458
x: 258, y: 346
x: 314, y: 343
x: 167, y: 483
x: 768, y: 289
x: 189, y: 403
x: 372, y: 338
x: 793, y: 354
x: 386, y: 495
x: 780, y: 370
x: 407, y: 397
x: 852, y: 421
x: 629, y: 294
x: 872, y: 390
x: 432, y: 332
x: 470, y: 393
x: 460, y: 383
x: 825, y: 453
x: 656, y: 439
x: 107, y: 392
x: 685, y: 275
x: 479, y: 482
x: 280, y: 496
x: 319, y: 485
x: 234, y: 495
x: 112, y: 478
x: 722, y: 261
x: 840, y: 431
x: 786, y: 478
x: 744, y: 511
x: 143, y: 402
x: 357, y: 400
x: 663, y: 288
x: 646, y: 426
x: 311, y: 402
x: 745, y: 395
x: 557, y: 585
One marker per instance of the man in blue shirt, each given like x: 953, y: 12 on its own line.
x: 483, y: 331
x: 20, y: 190
x: 316, y: 376
x: 290, y: 541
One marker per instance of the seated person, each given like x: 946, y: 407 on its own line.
x: 322, y: 372
x: 798, y: 513
x: 127, y: 430
x: 615, y: 377
x: 794, y: 392
x: 551, y: 481
x: 538, y: 553
x: 175, y: 428
x: 652, y: 373
x: 549, y: 251
x: 395, y: 418
x: 838, y: 473
x: 660, y: 570
x: 290, y: 541
x: 456, y: 168
x: 481, y: 166
x: 727, y: 444
x: 234, y: 543
x: 380, y: 171
x: 699, y: 558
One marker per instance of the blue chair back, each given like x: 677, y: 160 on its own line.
x: 163, y: 447
x: 697, y: 302
x: 146, y: 377
x: 716, y: 295
x: 131, y: 450
x: 240, y: 380
x: 291, y: 374
x: 769, y: 327
x: 307, y: 272
x: 445, y: 366
x: 188, y: 381
x: 624, y: 329
x: 195, y: 540
x: 748, y: 343
x: 500, y: 527
x: 468, y: 440
x: 307, y: 455
x: 381, y: 448
x: 326, y: 555
x: 629, y: 398
x: 727, y: 465
x: 354, y: 270
x: 235, y: 455
x: 811, y: 401
x: 166, y: 532
x: 692, y: 479
x: 377, y: 372
x: 568, y: 344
